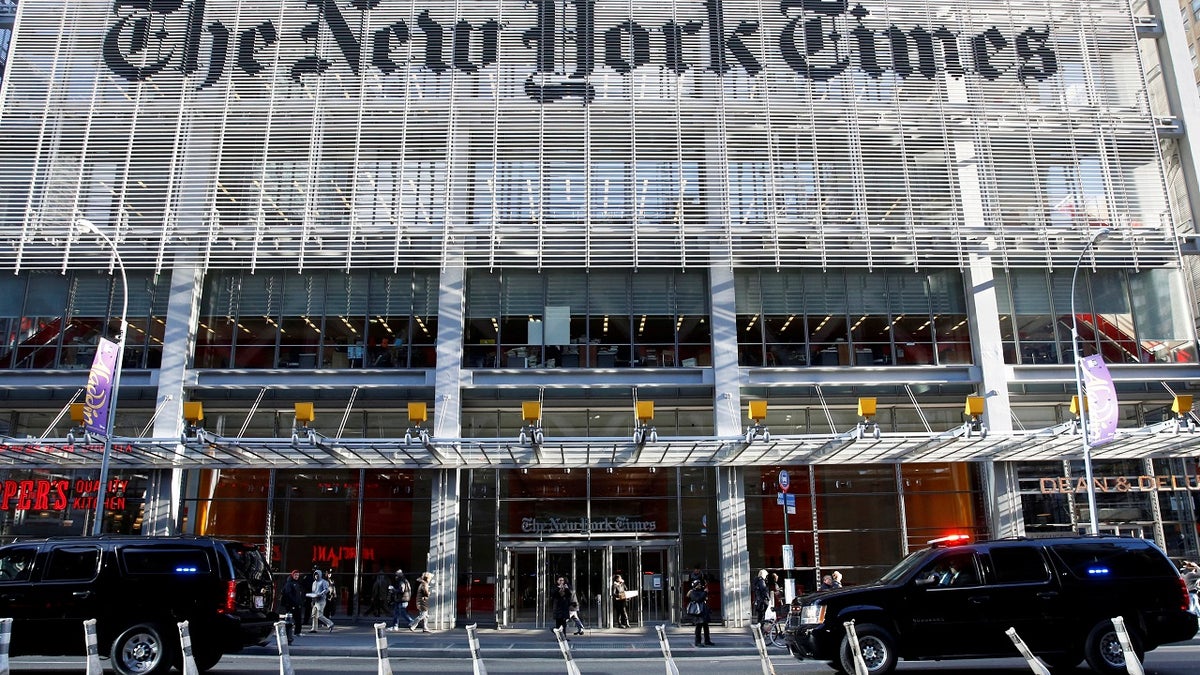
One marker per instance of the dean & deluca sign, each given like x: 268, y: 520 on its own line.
x: 1117, y: 484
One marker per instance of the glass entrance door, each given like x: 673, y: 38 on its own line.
x: 530, y: 571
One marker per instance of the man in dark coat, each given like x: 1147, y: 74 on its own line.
x: 291, y: 598
x: 761, y: 596
x: 565, y: 602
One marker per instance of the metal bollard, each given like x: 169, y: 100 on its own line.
x: 285, y: 656
x: 1132, y: 665
x: 672, y: 669
x: 1034, y: 662
x: 565, y: 648
x: 768, y: 668
x: 860, y: 666
x: 381, y: 647
x: 185, y: 643
x: 5, y: 639
x: 93, y: 649
x: 476, y: 657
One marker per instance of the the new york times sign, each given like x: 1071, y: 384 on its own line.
x: 561, y: 41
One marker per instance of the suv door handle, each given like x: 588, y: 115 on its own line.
x: 979, y: 599
x: 82, y: 594
x: 1047, y: 595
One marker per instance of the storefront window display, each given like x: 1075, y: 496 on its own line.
x: 849, y: 517
x: 315, y: 519
x: 1128, y: 492
x: 43, y: 503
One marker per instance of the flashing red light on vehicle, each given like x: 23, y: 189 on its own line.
x: 950, y: 540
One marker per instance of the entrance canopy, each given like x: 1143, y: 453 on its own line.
x: 205, y: 450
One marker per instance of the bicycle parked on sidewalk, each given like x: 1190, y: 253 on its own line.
x: 773, y: 628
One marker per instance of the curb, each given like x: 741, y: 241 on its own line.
x: 359, y: 641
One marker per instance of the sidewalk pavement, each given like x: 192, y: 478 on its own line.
x: 359, y: 641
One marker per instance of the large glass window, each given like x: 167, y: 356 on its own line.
x: 857, y: 525
x: 1128, y: 317
x: 51, y: 320
x: 372, y: 319
x: 851, y: 318
x: 1054, y: 499
x: 313, y: 518
x: 42, y: 503
x: 599, y: 319
x: 585, y: 511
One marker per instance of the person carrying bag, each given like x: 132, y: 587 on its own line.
x: 697, y: 608
x: 620, y: 600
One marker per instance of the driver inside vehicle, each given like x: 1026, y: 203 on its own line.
x: 15, y: 567
x: 953, y: 572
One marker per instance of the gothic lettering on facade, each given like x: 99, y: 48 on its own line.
x: 817, y: 39
x: 552, y: 525
x: 1120, y: 484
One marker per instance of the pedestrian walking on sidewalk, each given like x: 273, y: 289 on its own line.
x: 565, y: 603
x: 699, y: 595
x: 399, y: 592
x: 422, y: 619
x: 291, y: 599
x: 320, y: 596
x: 620, y: 602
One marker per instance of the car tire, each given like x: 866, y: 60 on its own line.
x: 206, y: 659
x: 878, y: 648
x: 141, y: 650
x: 1103, y: 649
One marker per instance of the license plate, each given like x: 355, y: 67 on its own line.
x: 258, y: 602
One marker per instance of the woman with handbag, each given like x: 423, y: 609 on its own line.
x: 697, y: 608
x: 620, y: 602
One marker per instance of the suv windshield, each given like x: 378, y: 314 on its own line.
x: 902, y: 568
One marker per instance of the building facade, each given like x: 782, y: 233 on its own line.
x: 513, y: 290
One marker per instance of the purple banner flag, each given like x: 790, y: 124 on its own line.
x: 99, y: 388
x: 1101, y: 401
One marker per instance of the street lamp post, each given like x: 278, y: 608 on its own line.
x: 1083, y: 430
x: 89, y: 227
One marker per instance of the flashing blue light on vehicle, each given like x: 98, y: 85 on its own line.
x: 186, y: 570
x: 1098, y: 571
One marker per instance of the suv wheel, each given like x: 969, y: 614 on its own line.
x: 878, y: 650
x: 140, y: 650
x: 206, y: 659
x: 1103, y: 649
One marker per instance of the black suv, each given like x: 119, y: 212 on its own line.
x: 957, y: 600
x: 137, y: 589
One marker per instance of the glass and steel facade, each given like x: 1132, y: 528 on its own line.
x: 590, y: 205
